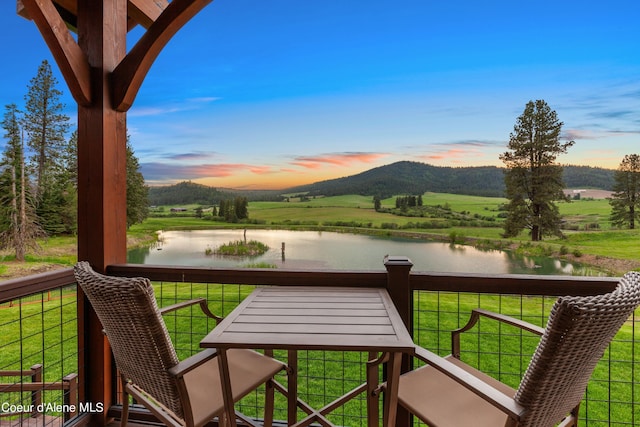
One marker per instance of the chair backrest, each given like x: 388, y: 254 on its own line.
x: 138, y: 336
x: 578, y: 332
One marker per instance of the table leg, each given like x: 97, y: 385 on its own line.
x: 227, y: 395
x: 292, y: 386
x: 391, y: 392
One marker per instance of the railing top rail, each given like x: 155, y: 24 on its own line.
x: 512, y: 283
x: 253, y: 276
x: 29, y: 285
x: 435, y: 281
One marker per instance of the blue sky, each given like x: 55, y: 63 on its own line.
x: 270, y: 94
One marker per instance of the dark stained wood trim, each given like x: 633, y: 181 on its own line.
x: 130, y: 73
x: 25, y: 286
x: 70, y: 58
x: 249, y: 276
x: 517, y: 284
x: 102, y: 222
x: 145, y: 12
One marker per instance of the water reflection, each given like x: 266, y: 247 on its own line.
x: 328, y: 250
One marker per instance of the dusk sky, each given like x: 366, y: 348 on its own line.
x: 272, y: 94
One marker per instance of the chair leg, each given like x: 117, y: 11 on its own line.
x: 125, y: 403
x: 268, y: 403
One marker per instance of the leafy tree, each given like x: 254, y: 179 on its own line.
x: 18, y: 225
x: 137, y: 190
x: 45, y: 123
x: 533, y: 180
x: 625, y: 201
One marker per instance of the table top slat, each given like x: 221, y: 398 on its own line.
x: 330, y: 318
x: 312, y: 328
x: 318, y: 304
x: 318, y: 319
x: 314, y: 311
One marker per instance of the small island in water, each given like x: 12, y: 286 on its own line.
x: 239, y: 248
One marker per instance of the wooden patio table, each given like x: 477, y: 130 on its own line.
x: 318, y: 318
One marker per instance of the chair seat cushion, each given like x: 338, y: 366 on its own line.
x: 247, y: 370
x: 440, y: 401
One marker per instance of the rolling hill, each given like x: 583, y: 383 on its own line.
x: 416, y: 178
x: 385, y: 181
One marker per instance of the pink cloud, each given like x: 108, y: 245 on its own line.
x: 336, y: 159
x: 453, y: 153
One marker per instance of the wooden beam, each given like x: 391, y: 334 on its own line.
x: 145, y: 12
x: 130, y: 73
x: 68, y: 55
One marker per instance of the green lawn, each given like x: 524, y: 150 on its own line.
x: 45, y: 332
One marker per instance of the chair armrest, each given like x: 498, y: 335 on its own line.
x: 191, y: 363
x: 203, y: 306
x: 495, y: 397
x: 475, y: 315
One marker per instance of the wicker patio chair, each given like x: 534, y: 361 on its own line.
x: 179, y: 393
x: 448, y: 392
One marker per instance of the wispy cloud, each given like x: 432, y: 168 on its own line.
x: 158, y: 171
x: 590, y: 134
x: 193, y: 156
x: 457, y: 152
x: 189, y: 104
x: 336, y: 159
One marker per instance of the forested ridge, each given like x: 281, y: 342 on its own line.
x: 417, y: 178
x: 385, y: 181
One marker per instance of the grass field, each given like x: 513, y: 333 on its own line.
x: 588, y: 228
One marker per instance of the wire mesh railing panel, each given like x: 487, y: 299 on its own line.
x: 39, y: 357
x: 504, y: 352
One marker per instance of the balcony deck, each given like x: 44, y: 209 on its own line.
x: 44, y: 319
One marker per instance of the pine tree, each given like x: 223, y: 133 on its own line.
x: 45, y: 124
x: 625, y: 201
x: 137, y: 191
x: 58, y: 205
x: 533, y: 180
x: 18, y: 225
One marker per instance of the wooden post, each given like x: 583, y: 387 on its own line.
x: 36, y: 396
x: 102, y: 223
x: 399, y: 288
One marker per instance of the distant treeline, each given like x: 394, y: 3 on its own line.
x: 185, y: 193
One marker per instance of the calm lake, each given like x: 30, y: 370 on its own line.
x: 340, y: 251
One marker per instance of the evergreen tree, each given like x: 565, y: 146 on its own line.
x: 58, y: 205
x: 241, y: 207
x: 377, y: 203
x: 18, y: 224
x: 625, y: 201
x: 533, y: 180
x: 137, y: 190
x: 45, y: 124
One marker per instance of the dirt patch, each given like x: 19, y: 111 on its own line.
x: 588, y: 194
x: 616, y: 267
x: 15, y: 269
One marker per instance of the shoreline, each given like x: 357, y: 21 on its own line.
x: 607, y: 265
